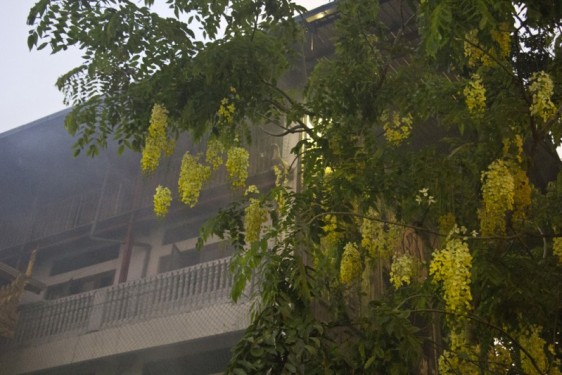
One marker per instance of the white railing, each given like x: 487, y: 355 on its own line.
x: 51, y: 318
x: 168, y: 293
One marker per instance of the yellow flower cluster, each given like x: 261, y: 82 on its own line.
x: 498, y: 193
x: 473, y: 50
x: 499, y: 359
x: 227, y: 108
x: 329, y: 246
x: 396, y: 128
x: 379, y: 240
x: 502, y: 37
x: 330, y: 241
x: 331, y: 224
x: 477, y: 55
x: 517, y: 142
x: 255, y: 216
x: 557, y: 248
x: 157, y: 141
x: 226, y: 111
x: 350, y: 267
x: 215, y: 153
x: 521, y: 196
x: 451, y: 267
x: 534, y: 344
x: 447, y: 222
x: 162, y: 200
x: 192, y: 177
x: 402, y: 270
x: 475, y: 96
x: 541, y: 89
x: 280, y: 175
x: 280, y: 181
x: 237, y: 164
x: 462, y: 358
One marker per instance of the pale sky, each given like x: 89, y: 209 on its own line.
x: 27, y: 79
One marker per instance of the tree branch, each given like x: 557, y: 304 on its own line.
x: 480, y: 320
x: 430, y: 231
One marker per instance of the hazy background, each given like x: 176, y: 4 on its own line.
x: 27, y: 79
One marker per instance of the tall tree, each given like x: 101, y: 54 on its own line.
x: 428, y: 232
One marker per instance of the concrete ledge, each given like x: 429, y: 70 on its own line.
x: 171, y: 329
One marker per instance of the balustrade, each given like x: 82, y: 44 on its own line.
x: 167, y: 293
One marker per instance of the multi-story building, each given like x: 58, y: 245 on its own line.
x: 116, y: 290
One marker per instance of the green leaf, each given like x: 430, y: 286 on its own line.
x: 37, y: 10
x: 440, y: 20
x: 257, y: 351
x: 369, y: 362
x: 291, y: 367
x: 32, y: 40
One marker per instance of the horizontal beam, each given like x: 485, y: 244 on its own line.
x: 10, y: 273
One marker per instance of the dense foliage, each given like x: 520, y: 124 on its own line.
x: 427, y: 234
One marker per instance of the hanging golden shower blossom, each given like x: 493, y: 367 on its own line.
x: 157, y: 141
x: 237, y: 163
x: 192, y: 177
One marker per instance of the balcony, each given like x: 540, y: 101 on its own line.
x: 172, y: 307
